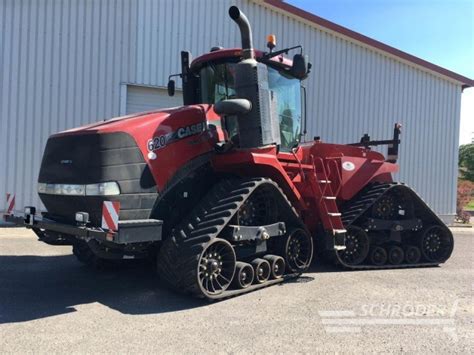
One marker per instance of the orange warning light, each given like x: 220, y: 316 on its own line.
x: 271, y: 41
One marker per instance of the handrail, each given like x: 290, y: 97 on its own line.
x: 326, y: 177
x: 338, y: 172
x: 303, y: 176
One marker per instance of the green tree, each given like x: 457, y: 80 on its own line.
x: 466, y: 162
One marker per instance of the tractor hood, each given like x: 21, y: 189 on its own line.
x: 166, y: 139
x: 149, y: 120
x: 139, y: 153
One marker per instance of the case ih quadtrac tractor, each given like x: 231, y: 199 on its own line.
x: 222, y: 193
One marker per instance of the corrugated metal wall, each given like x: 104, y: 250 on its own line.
x: 143, y: 98
x: 62, y: 63
x: 61, y: 66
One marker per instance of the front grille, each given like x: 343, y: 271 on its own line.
x: 93, y: 158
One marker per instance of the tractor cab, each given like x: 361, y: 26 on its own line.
x: 213, y: 78
x: 216, y: 83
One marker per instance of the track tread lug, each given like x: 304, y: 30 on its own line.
x: 179, y: 255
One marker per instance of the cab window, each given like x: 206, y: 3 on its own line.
x: 218, y: 83
x: 287, y: 92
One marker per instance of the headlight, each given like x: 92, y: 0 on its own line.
x: 71, y: 190
x: 49, y: 188
x: 103, y: 189
x: 61, y: 189
x: 100, y: 189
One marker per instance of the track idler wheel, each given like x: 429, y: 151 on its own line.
x: 277, y: 266
x: 436, y: 244
x: 412, y: 254
x: 298, y: 250
x: 216, y: 267
x: 378, y: 256
x: 244, y: 275
x: 262, y: 270
x: 395, y: 255
x: 357, y: 246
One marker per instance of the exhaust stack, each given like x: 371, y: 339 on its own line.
x: 245, y: 31
x: 258, y: 126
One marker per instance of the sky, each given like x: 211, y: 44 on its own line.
x: 439, y: 31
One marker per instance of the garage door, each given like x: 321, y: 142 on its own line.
x: 142, y: 98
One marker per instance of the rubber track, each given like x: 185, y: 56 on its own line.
x: 361, y: 203
x: 178, y: 259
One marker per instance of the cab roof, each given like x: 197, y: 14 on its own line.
x: 237, y: 53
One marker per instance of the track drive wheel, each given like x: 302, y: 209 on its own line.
x: 385, y: 207
x: 216, y: 267
x: 436, y: 244
x: 298, y: 250
x: 357, y: 246
x: 259, y: 209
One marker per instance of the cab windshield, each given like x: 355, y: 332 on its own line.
x: 217, y: 84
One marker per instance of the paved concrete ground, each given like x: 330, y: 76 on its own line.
x: 50, y: 303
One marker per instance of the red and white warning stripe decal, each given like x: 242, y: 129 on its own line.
x: 10, y: 203
x: 110, y: 215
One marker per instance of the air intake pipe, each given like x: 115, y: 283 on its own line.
x: 245, y: 31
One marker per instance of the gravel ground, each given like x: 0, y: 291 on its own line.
x: 51, y: 303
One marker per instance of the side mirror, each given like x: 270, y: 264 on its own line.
x: 171, y: 87
x: 232, y: 107
x: 300, y: 68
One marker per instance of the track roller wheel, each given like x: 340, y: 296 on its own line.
x: 262, y: 270
x: 244, y: 275
x: 378, y: 256
x: 216, y: 267
x: 277, y: 266
x: 357, y: 246
x: 436, y: 244
x: 298, y: 250
x: 412, y: 254
x: 395, y: 255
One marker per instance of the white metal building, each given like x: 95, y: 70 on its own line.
x: 71, y: 62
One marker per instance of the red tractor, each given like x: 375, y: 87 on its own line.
x: 222, y: 193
